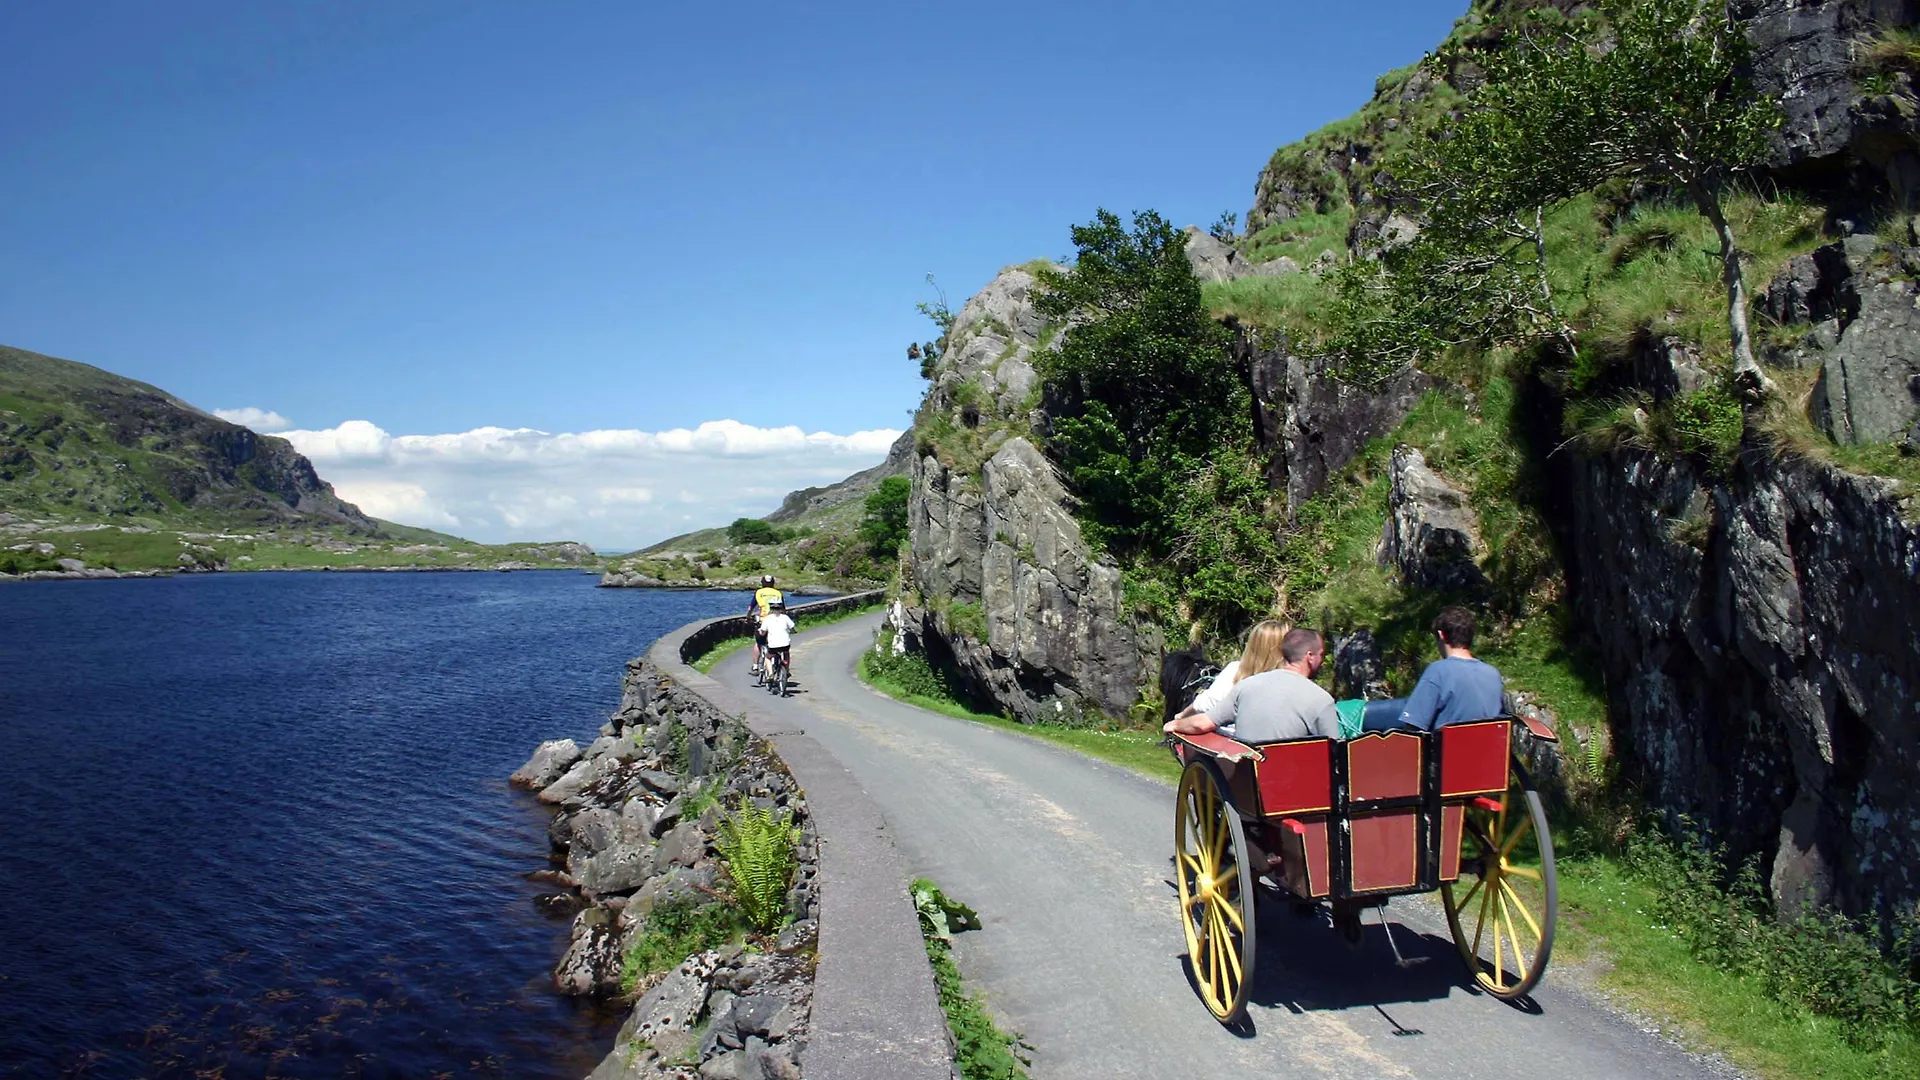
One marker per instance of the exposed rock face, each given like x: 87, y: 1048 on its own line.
x: 991, y: 347
x: 1762, y: 660
x: 1311, y: 424
x: 1057, y: 636
x: 1860, y: 296
x: 629, y: 843
x: 991, y: 532
x: 1807, y: 54
x: 1431, y: 538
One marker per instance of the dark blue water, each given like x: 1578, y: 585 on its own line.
x: 258, y: 824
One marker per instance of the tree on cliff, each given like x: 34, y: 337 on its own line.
x: 1663, y: 98
x: 885, y: 525
x: 1148, y: 418
x: 1141, y: 390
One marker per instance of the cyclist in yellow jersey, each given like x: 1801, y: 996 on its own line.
x: 763, y: 600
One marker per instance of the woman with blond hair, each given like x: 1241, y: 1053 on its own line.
x: 1262, y: 653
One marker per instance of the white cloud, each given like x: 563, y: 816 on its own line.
x: 261, y: 420
x: 616, y: 490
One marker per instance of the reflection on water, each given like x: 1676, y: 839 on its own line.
x: 258, y: 824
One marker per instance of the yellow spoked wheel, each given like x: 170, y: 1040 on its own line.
x: 1216, y: 891
x: 1501, y: 911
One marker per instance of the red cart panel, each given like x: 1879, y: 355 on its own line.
x: 1473, y: 758
x: 1295, y: 777
x: 1384, y: 766
x: 1385, y: 851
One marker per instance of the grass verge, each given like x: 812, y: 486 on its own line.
x: 982, y: 1050
x: 1129, y: 748
x: 1607, y: 919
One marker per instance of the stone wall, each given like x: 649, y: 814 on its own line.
x: 639, y: 812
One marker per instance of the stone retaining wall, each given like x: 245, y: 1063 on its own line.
x: 843, y: 991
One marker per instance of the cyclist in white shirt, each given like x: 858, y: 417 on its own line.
x: 778, y: 627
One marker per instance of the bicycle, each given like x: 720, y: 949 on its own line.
x: 779, y: 667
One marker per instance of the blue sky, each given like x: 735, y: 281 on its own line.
x: 439, y: 217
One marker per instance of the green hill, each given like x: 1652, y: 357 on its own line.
x: 124, y: 476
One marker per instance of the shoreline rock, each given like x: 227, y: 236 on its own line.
x: 638, y: 814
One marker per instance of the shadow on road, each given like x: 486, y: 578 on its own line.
x: 1304, y: 965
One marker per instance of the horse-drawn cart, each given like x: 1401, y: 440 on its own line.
x: 1357, y: 821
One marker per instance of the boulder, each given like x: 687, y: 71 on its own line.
x: 592, y: 962
x: 1667, y: 366
x: 666, y: 1013
x: 1213, y: 259
x: 1431, y: 536
x: 1359, y: 671
x: 577, y: 779
x: 1309, y: 424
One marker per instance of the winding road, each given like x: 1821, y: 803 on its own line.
x: 1068, y: 861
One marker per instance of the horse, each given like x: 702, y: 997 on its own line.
x: 1183, y: 675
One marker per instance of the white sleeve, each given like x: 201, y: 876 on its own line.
x: 1216, y: 693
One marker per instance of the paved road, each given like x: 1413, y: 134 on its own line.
x: 1068, y: 861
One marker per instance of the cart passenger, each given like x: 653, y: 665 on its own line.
x: 1280, y: 704
x: 1455, y: 688
x: 1262, y: 653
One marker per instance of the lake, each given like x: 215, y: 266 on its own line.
x: 258, y: 824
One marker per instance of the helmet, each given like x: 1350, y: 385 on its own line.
x: 766, y: 579
x: 779, y: 605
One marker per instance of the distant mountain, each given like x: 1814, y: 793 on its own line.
x: 101, y: 475
x: 836, y: 508
x: 78, y: 443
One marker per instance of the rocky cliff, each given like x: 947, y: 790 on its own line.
x: 1004, y: 589
x: 1753, y: 611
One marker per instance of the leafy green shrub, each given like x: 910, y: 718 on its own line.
x: 909, y: 672
x: 675, y: 930
x: 749, y: 564
x: 1707, y: 422
x: 1821, y: 961
x: 968, y: 619
x: 758, y: 847
x: 981, y: 1050
x: 1143, y: 386
x: 752, y: 531
x: 884, y: 527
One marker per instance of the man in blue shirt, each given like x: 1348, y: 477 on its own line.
x: 1455, y: 687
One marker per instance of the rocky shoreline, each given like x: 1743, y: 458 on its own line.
x: 638, y: 819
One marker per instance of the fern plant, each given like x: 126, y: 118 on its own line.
x: 758, y: 847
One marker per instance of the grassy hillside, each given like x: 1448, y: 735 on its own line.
x: 121, y: 475
x: 815, y: 545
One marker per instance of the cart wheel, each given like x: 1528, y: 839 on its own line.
x: 1216, y: 890
x: 1503, y: 922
